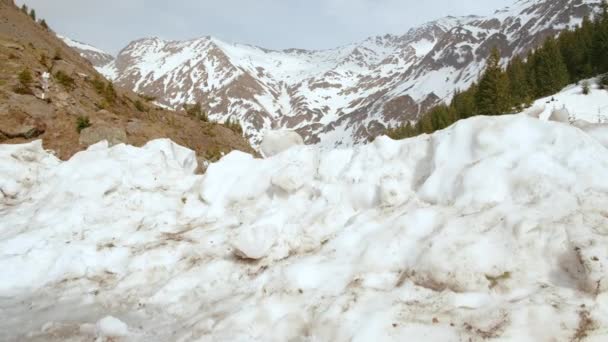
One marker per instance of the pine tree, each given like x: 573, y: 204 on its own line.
x: 24, y: 9
x: 518, y: 82
x: 463, y: 103
x: 575, y: 47
x: 599, y: 51
x: 33, y: 14
x: 586, y: 88
x: 492, y: 96
x: 550, y: 70
x: 44, y: 24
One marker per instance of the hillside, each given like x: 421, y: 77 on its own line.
x: 344, y: 95
x: 47, y: 90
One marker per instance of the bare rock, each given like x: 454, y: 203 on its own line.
x: 135, y: 127
x: 31, y: 105
x: 64, y: 67
x: 11, y: 45
x: 96, y: 133
x: 25, y: 131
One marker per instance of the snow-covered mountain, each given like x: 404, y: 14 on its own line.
x: 343, y: 95
x: 492, y: 229
x: 96, y: 56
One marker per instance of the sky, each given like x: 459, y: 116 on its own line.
x: 275, y: 24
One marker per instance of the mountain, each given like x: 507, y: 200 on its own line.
x: 94, y: 55
x: 48, y: 91
x: 343, y: 95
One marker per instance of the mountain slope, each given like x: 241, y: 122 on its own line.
x: 96, y: 56
x: 343, y: 95
x: 49, y: 92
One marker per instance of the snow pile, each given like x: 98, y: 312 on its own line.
x: 592, y: 107
x: 493, y: 228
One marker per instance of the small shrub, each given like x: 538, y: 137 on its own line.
x: 25, y: 82
x: 603, y: 82
x: 44, y: 24
x: 44, y: 60
x: 196, y: 111
x: 99, y: 85
x: 147, y: 98
x: 104, y: 89
x: 57, y: 56
x: 82, y: 122
x: 110, y: 93
x: 213, y: 154
x: 234, y: 126
x: 140, y: 106
x: 586, y: 89
x: 65, y: 80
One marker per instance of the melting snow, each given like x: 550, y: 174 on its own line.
x: 493, y: 228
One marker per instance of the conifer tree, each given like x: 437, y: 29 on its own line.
x: 550, y: 70
x: 492, y: 96
x: 24, y: 9
x: 518, y: 82
x: 33, y: 14
x: 599, y: 51
x: 463, y: 103
x: 44, y: 24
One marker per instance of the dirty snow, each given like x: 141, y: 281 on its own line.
x: 496, y: 227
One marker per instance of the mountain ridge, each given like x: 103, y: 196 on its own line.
x: 343, y: 95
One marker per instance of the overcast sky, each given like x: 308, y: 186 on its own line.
x: 275, y: 24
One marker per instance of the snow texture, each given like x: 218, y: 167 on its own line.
x: 493, y: 228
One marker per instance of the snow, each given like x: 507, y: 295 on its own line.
x: 493, y: 228
x: 112, y: 327
x: 275, y: 142
x: 81, y: 46
x: 592, y: 107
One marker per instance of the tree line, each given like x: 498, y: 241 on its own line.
x: 571, y: 57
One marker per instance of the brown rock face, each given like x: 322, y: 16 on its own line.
x: 50, y: 107
x: 95, y: 134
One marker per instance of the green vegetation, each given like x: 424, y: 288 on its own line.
x: 82, y: 122
x: 214, y: 154
x: 25, y: 82
x: 196, y: 111
x: 603, y: 82
x: 44, y: 24
x: 57, y: 56
x: 235, y: 126
x: 147, y: 98
x: 585, y: 87
x: 44, y: 60
x: 33, y: 14
x: 105, y: 89
x: 140, y: 106
x: 65, y: 80
x: 24, y: 9
x: 573, y: 56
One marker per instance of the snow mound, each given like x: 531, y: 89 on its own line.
x: 493, y: 228
x: 275, y: 142
x: 111, y: 327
